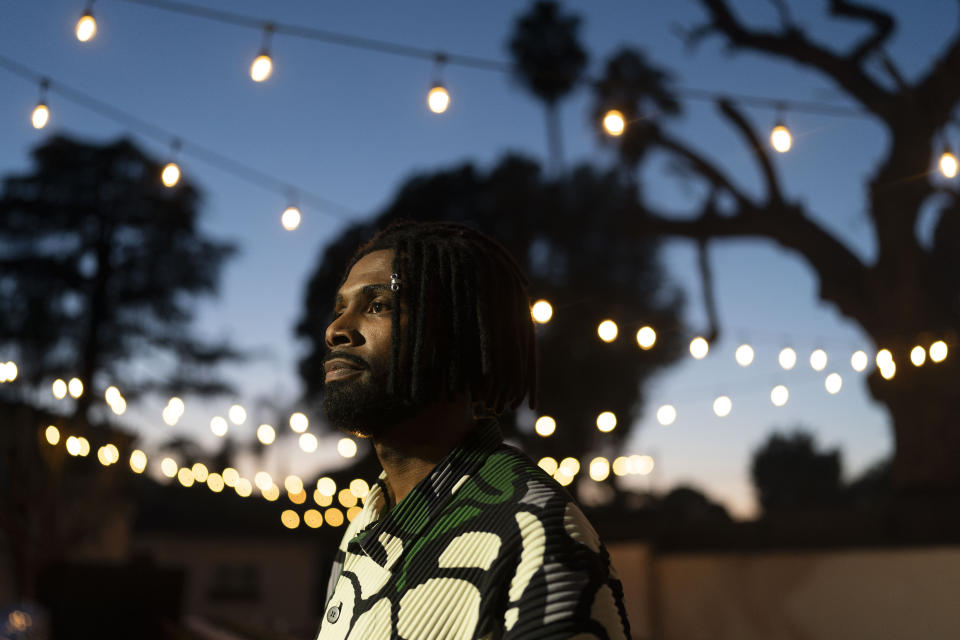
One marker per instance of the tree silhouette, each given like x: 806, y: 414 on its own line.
x: 578, y: 245
x: 909, y: 293
x: 788, y: 472
x: 549, y: 61
x: 99, y: 264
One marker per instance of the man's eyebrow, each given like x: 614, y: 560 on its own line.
x: 367, y: 291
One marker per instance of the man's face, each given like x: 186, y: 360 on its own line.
x: 357, y: 364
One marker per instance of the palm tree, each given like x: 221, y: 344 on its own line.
x: 549, y: 61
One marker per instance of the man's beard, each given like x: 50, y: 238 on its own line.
x: 362, y: 405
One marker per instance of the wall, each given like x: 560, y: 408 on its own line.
x: 854, y: 594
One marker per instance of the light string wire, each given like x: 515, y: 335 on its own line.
x: 202, y: 153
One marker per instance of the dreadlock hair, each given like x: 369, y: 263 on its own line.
x: 468, y: 326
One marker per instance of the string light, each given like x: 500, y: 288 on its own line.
x: 75, y: 387
x: 599, y: 469
x: 886, y: 365
x: 237, y: 414
x: 59, y: 389
x: 545, y: 426
x: 744, y: 355
x: 606, y: 421
x: 170, y: 175
x: 548, y: 464
x: 230, y: 477
x: 780, y: 138
x: 541, y: 311
x: 346, y: 447
x: 218, y: 426
x: 569, y: 466
x: 938, y: 351
x: 41, y: 113
x: 614, y: 123
x: 359, y: 488
x: 138, y: 461
x: 333, y: 516
x: 666, y: 414
x: 722, y: 406
x: 266, y: 434
x: 641, y: 465
x: 168, y: 467
x: 699, y: 348
x: 215, y: 482
x: 243, y: 488
x: 52, y: 434
x: 299, y: 422
x: 86, y: 25
x: 308, y: 442
x: 621, y: 466
x: 833, y: 383
x: 262, y: 65
x: 326, y: 486
x: 646, y: 338
x: 948, y: 163
x: 185, y: 477
x: 290, y: 218
x: 607, y: 330
x: 818, y: 360
x: 918, y: 355
x: 262, y: 480
x: 779, y: 395
x: 8, y: 371
x: 859, y: 360
x: 438, y: 99
x: 787, y: 358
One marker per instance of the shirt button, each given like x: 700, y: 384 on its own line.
x: 333, y: 614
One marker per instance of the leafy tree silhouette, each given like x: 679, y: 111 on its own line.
x: 789, y: 472
x: 579, y: 248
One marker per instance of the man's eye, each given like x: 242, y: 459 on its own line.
x: 378, y: 307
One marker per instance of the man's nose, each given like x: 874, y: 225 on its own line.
x: 341, y: 332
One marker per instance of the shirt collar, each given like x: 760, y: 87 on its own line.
x: 427, y: 499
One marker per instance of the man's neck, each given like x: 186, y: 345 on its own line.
x: 414, y: 447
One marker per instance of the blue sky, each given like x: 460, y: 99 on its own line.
x: 352, y: 125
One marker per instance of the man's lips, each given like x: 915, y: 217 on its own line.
x: 337, y: 368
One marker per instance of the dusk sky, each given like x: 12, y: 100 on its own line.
x: 352, y: 125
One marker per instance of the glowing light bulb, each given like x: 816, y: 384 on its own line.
x: 787, y: 358
x: 218, y: 426
x: 312, y: 518
x: 243, y: 488
x: 699, y: 348
x: 170, y: 174
x: 888, y: 370
x: 666, y: 414
x: 86, y: 27
x: 299, y: 422
x: 290, y: 218
x: 779, y: 395
x: 643, y: 465
x: 359, y: 488
x: 262, y: 480
x: 75, y: 387
x: 818, y: 360
x: 333, y: 516
x: 569, y: 466
x: 918, y: 355
x: 780, y: 139
x: 230, y: 477
x: 607, y: 330
x: 722, y: 406
x: 438, y: 99
x: 237, y: 414
x: 646, y: 337
x: 884, y: 358
x: 308, y: 442
x: 621, y: 466
x: 833, y: 383
x: 346, y: 447
x: 293, y: 484
x: 138, y: 461
x: 215, y: 482
x: 744, y: 355
x: 938, y: 351
x: 948, y: 164
x: 326, y: 486
x: 59, y: 389
x: 859, y: 360
x: 266, y: 434
x: 542, y: 311
x: 168, y: 466
x: 606, y: 421
x: 545, y: 426
x: 40, y: 116
x: 599, y: 469
x: 548, y: 464
x: 52, y: 434
x: 262, y: 67
x: 614, y: 123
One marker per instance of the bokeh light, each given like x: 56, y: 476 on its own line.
x: 290, y: 519
x: 59, y: 389
x: 170, y: 174
x: 599, y: 469
x: 548, y: 464
x: 833, y: 383
x: 185, y: 477
x: 780, y: 139
x: 261, y: 67
x: 346, y: 498
x: 666, y: 414
x: 290, y: 218
x: 293, y: 484
x: 40, y: 116
x: 646, y: 338
x: 779, y: 395
x: 545, y: 426
x: 243, y: 488
x: 918, y: 355
x: 262, y: 480
x: 52, y: 435
x: 237, y: 414
x: 859, y: 360
x: 722, y: 406
x: 326, y: 486
x: 200, y: 472
x: 168, y: 467
x: 938, y: 351
x: 218, y: 426
x: 86, y: 27
x: 308, y: 442
x: 607, y: 330
x: 333, y: 516
x: 271, y: 493
x: 744, y: 355
x: 569, y: 466
x: 230, y: 477
x: 353, y: 512
x: 359, y: 488
x: 215, y: 482
x: 438, y: 98
x: 607, y: 421
x: 299, y: 422
x: 621, y: 466
x: 266, y: 434
x: 312, y: 518
x: 787, y: 358
x: 346, y: 447
x: 614, y: 123
x: 948, y: 164
x: 699, y: 347
x: 138, y: 461
x: 818, y: 360
x: 75, y: 387
x: 542, y: 311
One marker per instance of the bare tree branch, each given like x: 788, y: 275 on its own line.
x: 881, y: 20
x: 774, y: 192
x: 793, y: 44
x: 706, y: 170
x: 938, y: 92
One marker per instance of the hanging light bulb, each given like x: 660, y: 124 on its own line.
x: 171, y: 171
x: 86, y: 25
x: 948, y: 163
x: 780, y: 138
x: 41, y: 113
x: 290, y: 218
x: 438, y: 98
x: 262, y: 65
x: 614, y: 123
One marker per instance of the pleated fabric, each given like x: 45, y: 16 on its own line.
x: 486, y: 546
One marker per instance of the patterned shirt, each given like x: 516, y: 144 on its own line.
x: 486, y: 546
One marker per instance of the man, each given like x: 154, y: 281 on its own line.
x: 462, y: 536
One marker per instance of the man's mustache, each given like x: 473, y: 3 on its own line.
x: 339, y: 355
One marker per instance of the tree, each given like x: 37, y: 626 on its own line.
x: 549, y: 61
x: 910, y: 292
x: 789, y: 472
x: 577, y: 243
x: 100, y: 264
